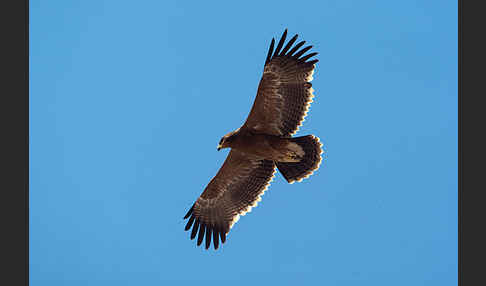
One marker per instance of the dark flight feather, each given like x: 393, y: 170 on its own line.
x: 202, y: 229
x: 208, y: 237
x: 195, y: 229
x: 308, y: 56
x: 189, y: 212
x: 301, y: 52
x: 189, y: 223
x: 270, y: 51
x: 216, y: 238
x: 223, y: 237
x: 280, y: 43
x: 294, y: 49
x: 289, y: 44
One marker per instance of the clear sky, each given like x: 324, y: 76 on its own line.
x: 128, y: 100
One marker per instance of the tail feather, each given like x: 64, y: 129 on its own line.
x: 297, y: 171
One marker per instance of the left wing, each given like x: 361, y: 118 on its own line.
x: 284, y: 92
x: 234, y: 190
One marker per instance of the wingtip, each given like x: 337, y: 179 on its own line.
x: 270, y: 51
x: 195, y: 229
x: 189, y: 223
x: 284, y: 34
x: 202, y: 230
x: 223, y: 236
x: 289, y: 44
x: 280, y: 44
x: 216, y: 238
x: 308, y: 56
x: 189, y: 212
x: 208, y: 237
x: 295, y: 48
x: 302, y: 51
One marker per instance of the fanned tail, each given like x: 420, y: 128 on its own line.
x: 297, y: 171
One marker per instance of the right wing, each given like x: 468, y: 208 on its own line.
x: 234, y: 190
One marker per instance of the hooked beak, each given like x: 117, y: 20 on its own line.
x: 219, y: 147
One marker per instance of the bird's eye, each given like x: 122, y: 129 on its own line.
x: 221, y: 141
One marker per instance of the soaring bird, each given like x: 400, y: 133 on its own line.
x: 264, y: 142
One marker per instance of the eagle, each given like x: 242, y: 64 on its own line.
x: 262, y: 144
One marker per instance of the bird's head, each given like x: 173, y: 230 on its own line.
x: 227, y: 139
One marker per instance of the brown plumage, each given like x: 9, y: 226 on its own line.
x: 262, y: 144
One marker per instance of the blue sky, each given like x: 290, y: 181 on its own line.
x: 128, y: 100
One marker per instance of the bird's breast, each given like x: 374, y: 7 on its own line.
x: 261, y: 145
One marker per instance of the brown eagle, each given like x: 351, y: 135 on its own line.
x: 262, y: 143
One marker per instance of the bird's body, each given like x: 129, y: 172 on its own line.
x: 261, y: 145
x: 269, y: 147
